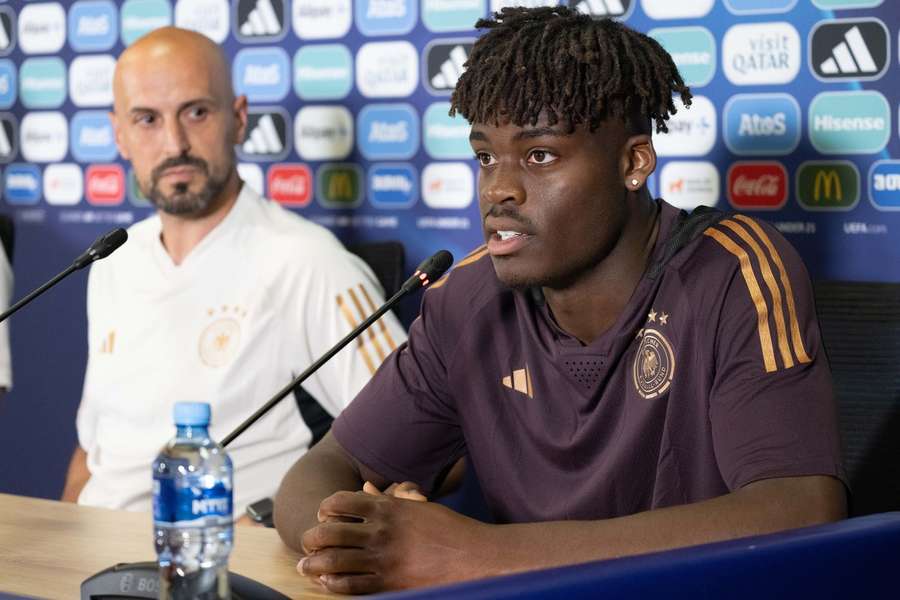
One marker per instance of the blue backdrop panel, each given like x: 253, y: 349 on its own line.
x: 795, y: 120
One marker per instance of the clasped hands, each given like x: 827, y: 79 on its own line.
x: 374, y: 540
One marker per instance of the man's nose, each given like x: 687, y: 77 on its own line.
x: 500, y: 185
x: 176, y: 139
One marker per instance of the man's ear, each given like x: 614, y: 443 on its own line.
x: 638, y: 160
x: 240, y: 115
x: 117, y: 131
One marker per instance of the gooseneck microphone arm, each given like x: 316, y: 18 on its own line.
x: 102, y: 247
x: 430, y: 270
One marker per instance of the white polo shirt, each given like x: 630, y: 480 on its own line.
x: 257, y: 301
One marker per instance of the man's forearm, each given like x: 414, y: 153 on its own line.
x: 76, y: 477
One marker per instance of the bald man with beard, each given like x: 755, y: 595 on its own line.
x: 221, y: 297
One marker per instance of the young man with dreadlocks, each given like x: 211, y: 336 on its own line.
x: 624, y: 378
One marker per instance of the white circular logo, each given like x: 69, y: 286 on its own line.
x: 219, y: 342
x: 654, y: 364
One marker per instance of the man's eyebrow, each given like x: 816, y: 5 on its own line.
x: 539, y: 132
x: 181, y: 107
x: 477, y: 136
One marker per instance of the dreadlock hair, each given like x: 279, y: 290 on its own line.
x: 568, y: 65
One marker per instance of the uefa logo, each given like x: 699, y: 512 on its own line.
x: 7, y: 30
x: 43, y: 82
x: 267, y: 135
x: 8, y: 83
x: 323, y: 72
x: 209, y: 17
x: 393, y: 185
x: 670, y: 9
x: 388, y: 131
x: 290, y: 184
x: 448, y: 185
x: 849, y: 122
x: 446, y: 137
x: 761, y: 124
x: 759, y: 7
x: 63, y: 184
x: 689, y: 184
x: 323, y: 132
x: 93, y: 25
x: 387, y: 69
x: 90, y: 80
x: 143, y: 16
x: 22, y: 184
x: 757, y: 185
x: 692, y: 132
x: 856, y: 49
x: 693, y: 50
x: 322, y: 19
x: 761, y: 53
x: 259, y: 20
x: 105, y: 185
x: 42, y: 28
x: 8, y: 138
x: 452, y: 15
x: 386, y: 17
x: 444, y: 63
x: 44, y: 137
x: 262, y: 74
x: 91, y: 137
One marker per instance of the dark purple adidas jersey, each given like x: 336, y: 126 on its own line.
x: 713, y: 377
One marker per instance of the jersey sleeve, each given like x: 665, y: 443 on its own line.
x: 86, y: 418
x: 404, y: 424
x: 6, y: 287
x: 772, y: 407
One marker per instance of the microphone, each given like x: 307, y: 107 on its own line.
x: 430, y: 270
x: 102, y: 247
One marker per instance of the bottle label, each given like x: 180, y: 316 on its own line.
x: 193, y: 500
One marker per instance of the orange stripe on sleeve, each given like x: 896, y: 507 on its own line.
x: 359, y: 343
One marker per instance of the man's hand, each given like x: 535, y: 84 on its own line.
x: 406, y: 490
x: 371, y: 541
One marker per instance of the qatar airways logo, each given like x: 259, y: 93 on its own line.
x: 758, y: 185
x: 209, y: 17
x: 290, y: 184
x: 387, y: 69
x: 761, y: 54
x: 90, y: 80
x: 105, y: 185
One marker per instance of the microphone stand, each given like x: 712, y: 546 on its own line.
x: 69, y: 270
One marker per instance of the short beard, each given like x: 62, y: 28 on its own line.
x: 182, y: 202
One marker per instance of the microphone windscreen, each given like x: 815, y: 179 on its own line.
x: 109, y: 242
x: 436, y: 265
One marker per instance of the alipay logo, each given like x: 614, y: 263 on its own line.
x: 93, y: 25
x: 620, y: 9
x: 693, y: 49
x: 446, y: 137
x: 393, y: 185
x: 828, y: 185
x: 7, y: 30
x: 761, y: 54
x: 856, y: 49
x: 8, y: 83
x: 669, y: 9
x: 259, y: 20
x: 8, y: 138
x: 262, y: 74
x: 757, y: 7
x: 323, y: 72
x: 388, y: 131
x: 339, y: 185
x: 447, y: 185
x: 452, y: 15
x: 849, y: 122
x: 42, y: 28
x: 323, y: 133
x: 90, y: 80
x: 444, y: 64
x: 692, y: 131
x: 143, y: 16
x: 884, y: 185
x: 386, y: 17
x: 45, y: 137
x: 209, y: 17
x: 63, y: 184
x: 322, y: 19
x: 43, y: 82
x: 92, y: 137
x: 267, y: 137
x: 22, y: 184
x: 387, y: 69
x: 762, y: 124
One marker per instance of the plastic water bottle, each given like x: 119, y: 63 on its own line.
x: 192, y: 509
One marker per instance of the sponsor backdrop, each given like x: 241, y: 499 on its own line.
x: 795, y: 120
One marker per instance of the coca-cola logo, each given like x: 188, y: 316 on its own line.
x: 757, y: 185
x: 290, y: 184
x: 105, y: 184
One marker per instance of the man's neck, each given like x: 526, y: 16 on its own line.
x: 180, y: 235
x: 592, y: 304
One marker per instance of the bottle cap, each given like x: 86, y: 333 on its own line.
x: 191, y: 413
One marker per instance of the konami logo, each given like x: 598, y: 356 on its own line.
x: 757, y: 185
x: 290, y: 184
x: 105, y: 185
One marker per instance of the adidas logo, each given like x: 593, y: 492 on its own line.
x: 267, y: 137
x: 451, y: 69
x: 520, y: 380
x: 260, y: 18
x: 602, y: 8
x: 7, y: 139
x: 5, y: 31
x: 855, y: 49
x: 445, y: 63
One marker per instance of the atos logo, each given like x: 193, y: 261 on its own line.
x: 259, y: 20
x: 884, y: 185
x: 452, y: 15
x: 849, y: 122
x: 689, y: 184
x: 290, y: 184
x: 324, y: 132
x: 386, y: 17
x: 339, y: 185
x: 22, y: 185
x: 857, y: 49
x: 761, y: 53
x: 668, y: 9
x: 448, y: 185
x: 393, y: 185
x: 445, y: 63
x: 42, y: 28
x: 762, y: 124
x: 91, y: 137
x: 692, y: 131
x: 143, y: 16
x: 209, y: 17
x: 322, y: 19
x: 617, y: 9
x: 323, y: 72
x: 8, y: 83
x: 43, y: 82
x: 262, y: 74
x: 446, y: 137
x: 693, y: 49
x: 90, y: 80
x: 757, y: 185
x: 8, y: 138
x: 758, y: 7
x: 105, y: 185
x: 267, y: 135
x: 7, y: 30
x: 93, y: 25
x: 388, y: 131
x: 45, y: 137
x: 387, y: 69
x: 63, y: 184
